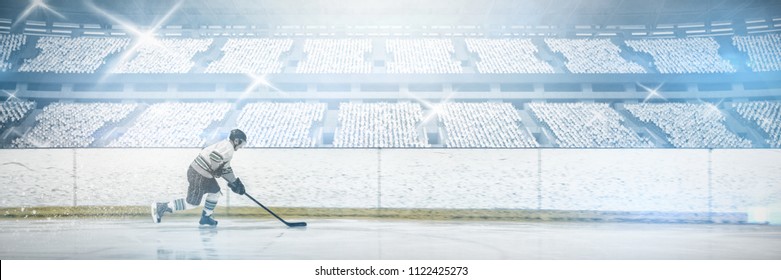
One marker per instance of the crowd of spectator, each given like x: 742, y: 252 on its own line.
x: 72, y: 55
x: 592, y: 56
x: 12, y: 111
x: 764, y: 52
x: 684, y: 55
x: 251, y: 55
x: 163, y: 56
x: 422, y: 56
x: 767, y: 115
x: 418, y: 56
x: 336, y: 56
x: 281, y: 124
x: 507, y: 56
x: 172, y: 124
x: 71, y: 125
x: 587, y: 125
x: 465, y: 125
x: 689, y: 125
x: 483, y: 125
x: 9, y: 43
x: 363, y: 125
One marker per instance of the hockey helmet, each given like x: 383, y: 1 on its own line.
x: 238, y: 134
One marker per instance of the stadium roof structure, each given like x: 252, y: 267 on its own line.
x: 405, y: 12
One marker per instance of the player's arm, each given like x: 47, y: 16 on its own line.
x: 233, y: 182
x: 226, y: 172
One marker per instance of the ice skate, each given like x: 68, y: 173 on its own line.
x: 207, y: 220
x: 158, y: 210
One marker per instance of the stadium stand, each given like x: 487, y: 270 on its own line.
x: 72, y: 55
x: 592, y: 56
x: 12, y: 111
x: 336, y: 56
x: 689, y: 125
x: 172, y: 125
x: 251, y: 55
x: 164, y: 56
x: 767, y: 115
x: 422, y: 56
x: 379, y: 125
x: 507, y: 56
x: 764, y: 52
x: 281, y: 124
x: 684, y: 55
x: 9, y: 43
x: 480, y: 124
x: 70, y: 125
x: 587, y: 125
x: 483, y: 125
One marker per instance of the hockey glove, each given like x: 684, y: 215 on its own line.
x: 237, y: 187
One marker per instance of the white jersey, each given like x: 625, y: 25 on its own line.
x: 214, y: 161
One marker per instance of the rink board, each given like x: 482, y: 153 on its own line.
x: 634, y: 180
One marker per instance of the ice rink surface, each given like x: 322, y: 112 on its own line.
x: 341, y: 239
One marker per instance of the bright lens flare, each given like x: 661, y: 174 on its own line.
x: 34, y: 5
x: 435, y: 109
x: 652, y: 92
x: 141, y: 38
x: 11, y: 95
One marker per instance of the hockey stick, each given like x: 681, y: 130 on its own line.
x: 297, y: 224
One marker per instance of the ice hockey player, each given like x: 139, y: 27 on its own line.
x: 211, y: 163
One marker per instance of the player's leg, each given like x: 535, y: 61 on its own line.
x: 195, y: 192
x: 160, y: 208
x: 208, y: 209
x: 212, y: 197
